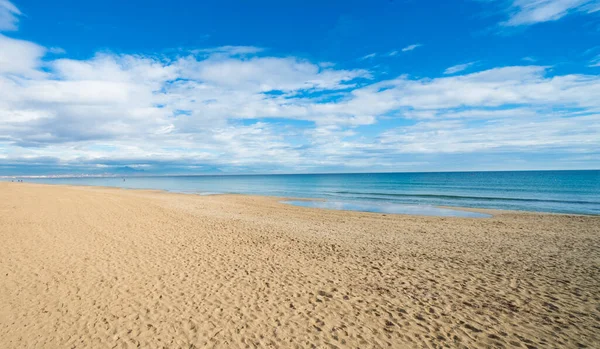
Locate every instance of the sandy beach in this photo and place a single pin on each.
(89, 267)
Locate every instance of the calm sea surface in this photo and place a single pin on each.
(545, 191)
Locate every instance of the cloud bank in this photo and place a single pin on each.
(240, 109)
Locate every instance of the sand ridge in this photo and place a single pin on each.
(85, 267)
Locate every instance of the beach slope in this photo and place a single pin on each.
(84, 267)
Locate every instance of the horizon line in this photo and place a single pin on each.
(49, 176)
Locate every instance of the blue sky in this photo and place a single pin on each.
(298, 86)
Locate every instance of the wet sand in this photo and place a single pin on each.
(85, 267)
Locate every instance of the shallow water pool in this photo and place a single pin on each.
(421, 210)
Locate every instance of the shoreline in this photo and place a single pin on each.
(488, 211)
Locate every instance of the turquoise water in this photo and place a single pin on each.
(544, 191)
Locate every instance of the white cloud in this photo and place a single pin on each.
(512, 129)
(458, 68)
(106, 67)
(20, 57)
(128, 101)
(527, 12)
(230, 50)
(411, 47)
(56, 50)
(578, 134)
(8, 16)
(489, 88)
(504, 109)
(369, 56)
(595, 62)
(495, 88)
(266, 73)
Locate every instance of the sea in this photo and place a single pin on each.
(575, 192)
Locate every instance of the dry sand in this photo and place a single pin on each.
(84, 267)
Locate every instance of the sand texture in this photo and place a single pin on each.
(84, 267)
